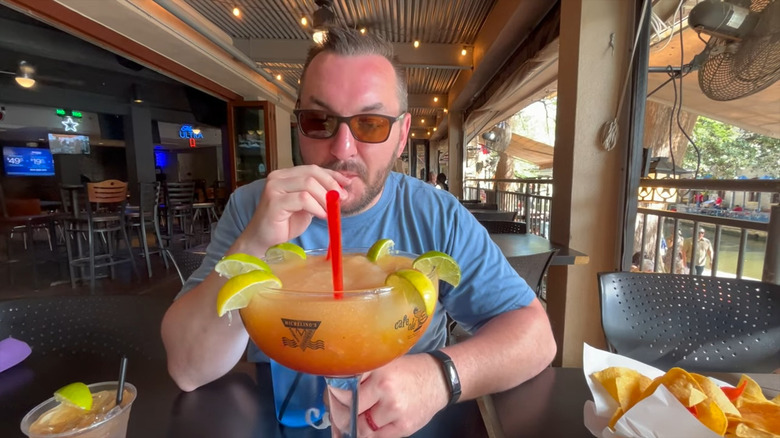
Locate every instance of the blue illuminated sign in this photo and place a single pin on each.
(186, 131)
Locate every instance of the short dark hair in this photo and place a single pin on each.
(345, 41)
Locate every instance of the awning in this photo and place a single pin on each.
(532, 151)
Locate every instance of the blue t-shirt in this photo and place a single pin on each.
(418, 218)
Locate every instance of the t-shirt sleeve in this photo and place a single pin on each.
(489, 285)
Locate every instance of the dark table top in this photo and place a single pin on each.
(517, 245)
(240, 404)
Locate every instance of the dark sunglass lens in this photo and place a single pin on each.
(316, 124)
(369, 128)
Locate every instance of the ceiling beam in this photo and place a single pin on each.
(447, 56)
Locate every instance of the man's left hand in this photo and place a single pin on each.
(399, 398)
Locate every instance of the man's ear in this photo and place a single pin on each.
(406, 123)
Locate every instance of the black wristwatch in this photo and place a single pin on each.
(450, 374)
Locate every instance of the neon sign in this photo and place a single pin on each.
(186, 131)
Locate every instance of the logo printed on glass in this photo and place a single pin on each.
(416, 323)
(302, 332)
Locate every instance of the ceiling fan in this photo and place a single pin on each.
(742, 56)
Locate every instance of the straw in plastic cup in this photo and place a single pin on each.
(87, 424)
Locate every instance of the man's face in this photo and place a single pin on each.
(346, 86)
(701, 235)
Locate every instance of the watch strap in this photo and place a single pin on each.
(450, 374)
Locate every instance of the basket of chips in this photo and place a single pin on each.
(632, 399)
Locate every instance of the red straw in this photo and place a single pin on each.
(334, 230)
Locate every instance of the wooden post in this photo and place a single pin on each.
(771, 272)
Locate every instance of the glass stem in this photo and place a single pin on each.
(351, 384)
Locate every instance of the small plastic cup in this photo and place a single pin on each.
(298, 397)
(112, 427)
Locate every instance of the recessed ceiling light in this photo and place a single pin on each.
(422, 120)
(435, 99)
(463, 52)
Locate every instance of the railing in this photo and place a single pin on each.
(732, 232)
(531, 199)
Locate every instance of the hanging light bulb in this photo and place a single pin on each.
(236, 12)
(304, 21)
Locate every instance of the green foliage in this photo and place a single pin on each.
(727, 151)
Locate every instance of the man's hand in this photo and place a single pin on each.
(291, 198)
(400, 398)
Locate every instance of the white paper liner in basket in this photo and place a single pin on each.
(660, 415)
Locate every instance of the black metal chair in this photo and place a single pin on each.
(98, 326)
(533, 269)
(504, 227)
(697, 323)
(493, 215)
(186, 262)
(179, 197)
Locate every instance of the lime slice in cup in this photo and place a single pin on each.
(239, 263)
(238, 291)
(379, 249)
(416, 286)
(285, 251)
(76, 394)
(446, 267)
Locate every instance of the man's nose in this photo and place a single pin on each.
(343, 143)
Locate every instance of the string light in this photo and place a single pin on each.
(463, 52)
(363, 30)
(416, 44)
(278, 77)
(304, 21)
(422, 120)
(435, 99)
(412, 134)
(236, 12)
(445, 111)
(434, 129)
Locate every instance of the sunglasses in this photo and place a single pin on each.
(366, 128)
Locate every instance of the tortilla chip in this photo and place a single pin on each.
(623, 384)
(681, 384)
(710, 414)
(714, 393)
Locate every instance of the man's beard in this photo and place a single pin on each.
(373, 186)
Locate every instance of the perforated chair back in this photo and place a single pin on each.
(504, 227)
(100, 326)
(186, 262)
(533, 267)
(697, 323)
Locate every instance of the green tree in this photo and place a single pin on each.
(726, 151)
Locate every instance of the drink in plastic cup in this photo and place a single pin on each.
(104, 420)
(298, 397)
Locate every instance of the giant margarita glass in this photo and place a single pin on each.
(291, 312)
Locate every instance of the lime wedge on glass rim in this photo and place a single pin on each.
(416, 286)
(76, 394)
(238, 291)
(285, 251)
(239, 263)
(446, 267)
(379, 249)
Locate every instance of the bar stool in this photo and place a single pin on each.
(146, 215)
(104, 217)
(179, 197)
(209, 214)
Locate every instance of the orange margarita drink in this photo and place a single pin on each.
(303, 326)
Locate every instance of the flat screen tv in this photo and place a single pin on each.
(68, 144)
(19, 161)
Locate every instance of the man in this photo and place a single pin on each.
(346, 82)
(703, 252)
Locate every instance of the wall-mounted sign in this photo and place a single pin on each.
(69, 124)
(186, 131)
(63, 112)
